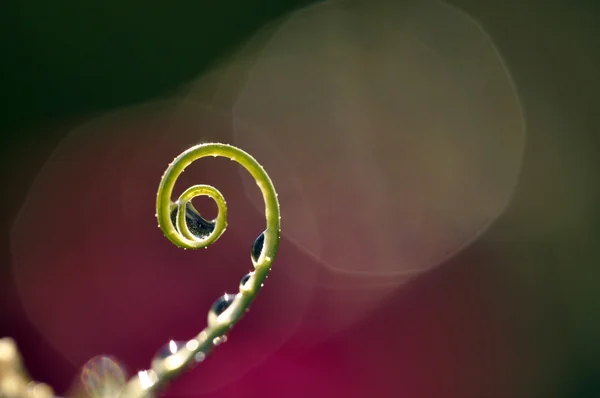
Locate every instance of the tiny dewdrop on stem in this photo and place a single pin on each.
(185, 227)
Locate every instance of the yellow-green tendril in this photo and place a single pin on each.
(175, 219)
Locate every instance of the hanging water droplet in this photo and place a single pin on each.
(222, 304)
(258, 246)
(168, 357)
(197, 224)
(199, 357)
(245, 279)
(171, 348)
(219, 307)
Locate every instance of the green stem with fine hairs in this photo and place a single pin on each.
(148, 382)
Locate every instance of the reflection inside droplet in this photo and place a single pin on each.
(222, 304)
(197, 224)
(258, 246)
(245, 279)
(171, 348)
(219, 307)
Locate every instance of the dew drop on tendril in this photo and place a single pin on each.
(245, 279)
(222, 303)
(171, 348)
(197, 224)
(258, 246)
(219, 340)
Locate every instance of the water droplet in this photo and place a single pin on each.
(199, 357)
(171, 348)
(258, 246)
(245, 279)
(197, 224)
(219, 340)
(219, 307)
(147, 378)
(192, 345)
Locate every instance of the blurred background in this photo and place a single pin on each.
(435, 162)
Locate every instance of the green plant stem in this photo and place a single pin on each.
(147, 383)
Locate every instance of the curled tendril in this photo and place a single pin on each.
(183, 225)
